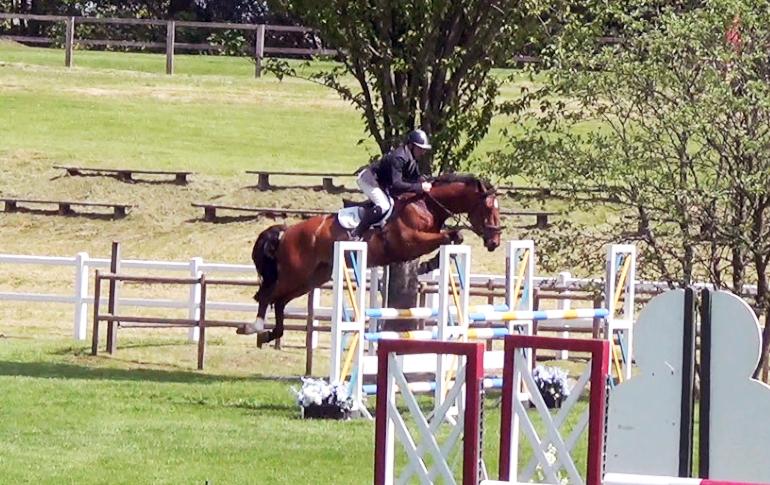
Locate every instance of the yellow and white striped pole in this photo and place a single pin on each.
(459, 296)
(620, 284)
(344, 287)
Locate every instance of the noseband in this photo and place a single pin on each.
(489, 230)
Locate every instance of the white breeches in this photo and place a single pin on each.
(367, 182)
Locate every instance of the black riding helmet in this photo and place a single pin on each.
(418, 138)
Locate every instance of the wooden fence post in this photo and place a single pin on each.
(259, 50)
(170, 40)
(69, 40)
(112, 304)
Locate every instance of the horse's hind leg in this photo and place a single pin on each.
(259, 323)
(283, 295)
(277, 331)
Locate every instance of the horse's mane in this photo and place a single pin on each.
(465, 178)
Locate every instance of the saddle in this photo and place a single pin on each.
(350, 215)
(356, 203)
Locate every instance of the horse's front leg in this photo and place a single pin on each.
(419, 243)
(429, 265)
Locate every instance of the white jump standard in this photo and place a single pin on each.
(455, 319)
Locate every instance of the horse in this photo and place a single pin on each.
(294, 260)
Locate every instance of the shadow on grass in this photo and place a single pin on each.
(55, 212)
(287, 410)
(225, 219)
(16, 337)
(50, 370)
(135, 345)
(120, 178)
(337, 189)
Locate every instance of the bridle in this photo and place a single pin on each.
(488, 230)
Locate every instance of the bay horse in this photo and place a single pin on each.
(294, 260)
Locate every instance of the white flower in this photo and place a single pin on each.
(550, 454)
(552, 380)
(550, 457)
(319, 392)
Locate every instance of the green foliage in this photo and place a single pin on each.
(672, 124)
(425, 63)
(233, 41)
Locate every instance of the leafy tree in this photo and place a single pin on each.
(674, 125)
(420, 63)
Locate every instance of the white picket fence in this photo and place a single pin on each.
(81, 296)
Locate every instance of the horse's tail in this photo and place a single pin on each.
(265, 260)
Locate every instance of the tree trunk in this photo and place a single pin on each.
(765, 348)
(180, 6)
(762, 303)
(402, 293)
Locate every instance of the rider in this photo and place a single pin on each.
(395, 173)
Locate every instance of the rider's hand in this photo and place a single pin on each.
(426, 186)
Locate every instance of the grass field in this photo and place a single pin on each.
(143, 415)
(212, 116)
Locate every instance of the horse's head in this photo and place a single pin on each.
(478, 199)
(485, 218)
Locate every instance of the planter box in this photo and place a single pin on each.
(550, 399)
(324, 411)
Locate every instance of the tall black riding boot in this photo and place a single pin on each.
(371, 215)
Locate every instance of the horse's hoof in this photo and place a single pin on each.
(251, 328)
(262, 338)
(456, 237)
(247, 329)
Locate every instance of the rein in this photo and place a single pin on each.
(447, 213)
(464, 217)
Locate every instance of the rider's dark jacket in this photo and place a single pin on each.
(397, 172)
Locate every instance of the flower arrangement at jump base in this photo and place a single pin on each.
(552, 384)
(550, 456)
(319, 399)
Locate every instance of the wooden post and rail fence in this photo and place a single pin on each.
(314, 317)
(260, 49)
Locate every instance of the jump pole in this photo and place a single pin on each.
(452, 321)
(519, 277)
(455, 293)
(346, 323)
(429, 462)
(620, 283)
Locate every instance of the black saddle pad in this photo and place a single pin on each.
(357, 203)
